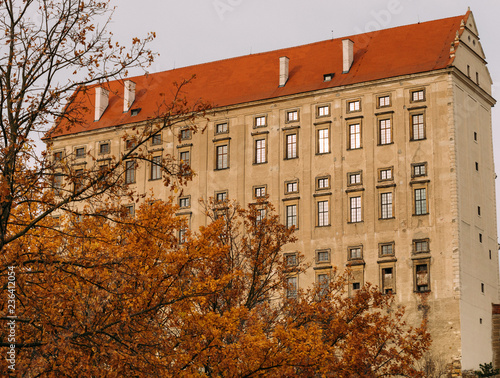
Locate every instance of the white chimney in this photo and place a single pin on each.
(129, 95)
(101, 102)
(283, 70)
(347, 54)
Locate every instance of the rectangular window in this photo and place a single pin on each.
(185, 157)
(385, 174)
(355, 253)
(222, 159)
(130, 143)
(421, 276)
(58, 183)
(322, 256)
(156, 168)
(78, 180)
(354, 178)
(185, 134)
(323, 111)
(387, 280)
(130, 209)
(221, 196)
(386, 205)
(104, 148)
(354, 106)
(384, 101)
(355, 209)
(386, 249)
(291, 216)
(322, 182)
(323, 281)
(156, 139)
(291, 187)
(421, 246)
(184, 202)
(260, 151)
(418, 95)
(261, 214)
(420, 201)
(259, 191)
(130, 172)
(260, 121)
(419, 169)
(221, 128)
(182, 236)
(291, 287)
(291, 259)
(354, 136)
(323, 218)
(417, 127)
(323, 141)
(292, 116)
(80, 152)
(385, 131)
(291, 146)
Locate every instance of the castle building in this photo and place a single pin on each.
(376, 147)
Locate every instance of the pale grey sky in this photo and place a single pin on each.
(197, 31)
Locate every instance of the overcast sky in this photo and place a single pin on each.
(196, 31)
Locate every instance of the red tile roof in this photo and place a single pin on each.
(377, 55)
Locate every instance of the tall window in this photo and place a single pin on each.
(354, 136)
(222, 156)
(58, 183)
(355, 208)
(185, 157)
(417, 127)
(156, 168)
(261, 214)
(130, 172)
(420, 201)
(291, 287)
(385, 132)
(421, 274)
(291, 146)
(323, 141)
(323, 280)
(291, 215)
(386, 204)
(323, 219)
(260, 151)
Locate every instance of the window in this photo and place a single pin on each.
(222, 159)
(221, 128)
(386, 205)
(385, 131)
(80, 152)
(58, 155)
(386, 249)
(355, 253)
(78, 180)
(156, 139)
(323, 218)
(480, 238)
(291, 187)
(261, 214)
(291, 215)
(221, 196)
(418, 95)
(260, 151)
(130, 210)
(355, 209)
(182, 236)
(322, 256)
(385, 174)
(477, 166)
(328, 77)
(104, 148)
(134, 112)
(323, 182)
(479, 210)
(387, 280)
(477, 77)
(419, 169)
(185, 157)
(259, 191)
(185, 134)
(475, 136)
(155, 173)
(353, 106)
(130, 143)
(323, 141)
(354, 178)
(291, 287)
(260, 121)
(421, 276)
(291, 259)
(130, 172)
(291, 146)
(323, 111)
(417, 127)
(482, 287)
(292, 116)
(323, 281)
(384, 101)
(58, 183)
(354, 136)
(420, 201)
(421, 246)
(184, 202)
(355, 286)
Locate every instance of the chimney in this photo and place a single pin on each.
(347, 54)
(129, 95)
(101, 102)
(283, 70)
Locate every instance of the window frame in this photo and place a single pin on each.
(319, 109)
(156, 139)
(259, 151)
(417, 202)
(294, 153)
(155, 168)
(185, 133)
(184, 205)
(130, 172)
(80, 152)
(292, 293)
(358, 210)
(288, 257)
(224, 130)
(388, 130)
(423, 129)
(187, 161)
(256, 121)
(418, 165)
(222, 193)
(290, 112)
(380, 97)
(384, 285)
(108, 148)
(296, 181)
(222, 159)
(416, 242)
(257, 187)
(415, 91)
(328, 255)
(289, 217)
(320, 178)
(416, 285)
(385, 169)
(386, 208)
(358, 136)
(350, 250)
(353, 101)
(323, 212)
(320, 141)
(353, 174)
(381, 249)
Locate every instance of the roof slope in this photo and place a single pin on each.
(377, 55)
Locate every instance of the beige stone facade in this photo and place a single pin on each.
(391, 177)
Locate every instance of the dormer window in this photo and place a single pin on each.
(135, 111)
(328, 77)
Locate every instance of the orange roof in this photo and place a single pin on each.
(377, 55)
